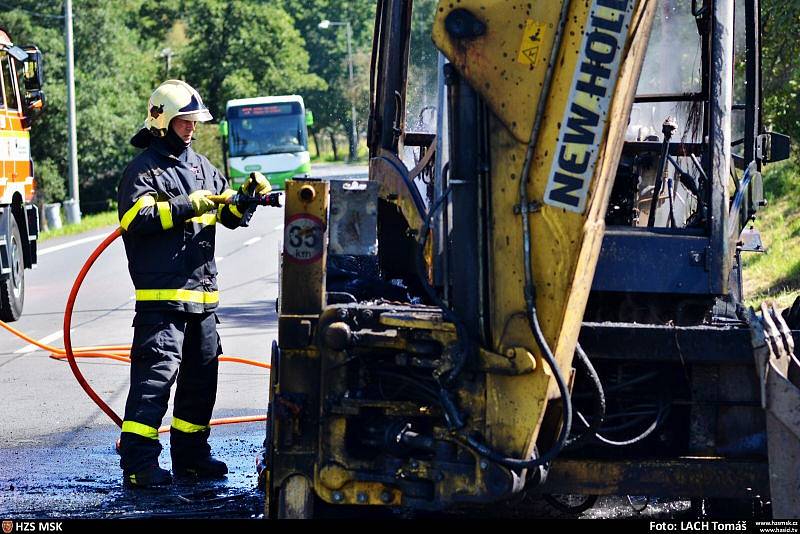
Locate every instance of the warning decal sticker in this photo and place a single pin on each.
(531, 42)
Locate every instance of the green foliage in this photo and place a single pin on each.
(50, 181)
(328, 59)
(112, 95)
(245, 48)
(782, 180)
(780, 20)
(775, 274)
(207, 142)
(113, 79)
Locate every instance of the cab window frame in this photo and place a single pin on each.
(2, 85)
(8, 75)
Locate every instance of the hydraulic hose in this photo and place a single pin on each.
(600, 397)
(595, 427)
(454, 418)
(119, 353)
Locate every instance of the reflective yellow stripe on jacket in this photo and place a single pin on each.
(143, 202)
(186, 426)
(204, 220)
(165, 215)
(181, 295)
(138, 428)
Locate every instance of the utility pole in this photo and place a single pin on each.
(72, 205)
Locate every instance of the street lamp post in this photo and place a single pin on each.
(72, 205)
(325, 24)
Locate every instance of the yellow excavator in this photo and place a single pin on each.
(541, 295)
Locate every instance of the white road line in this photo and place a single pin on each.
(252, 241)
(279, 227)
(219, 258)
(75, 243)
(44, 341)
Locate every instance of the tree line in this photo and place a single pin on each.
(226, 49)
(240, 48)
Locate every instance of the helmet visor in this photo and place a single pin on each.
(202, 115)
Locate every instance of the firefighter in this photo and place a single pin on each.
(169, 223)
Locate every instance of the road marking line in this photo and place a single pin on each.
(219, 258)
(44, 341)
(279, 227)
(75, 243)
(252, 241)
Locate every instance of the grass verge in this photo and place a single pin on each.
(88, 222)
(775, 274)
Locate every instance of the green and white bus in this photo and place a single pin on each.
(268, 134)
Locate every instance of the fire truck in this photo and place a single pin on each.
(21, 101)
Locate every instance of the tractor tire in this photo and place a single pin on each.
(12, 289)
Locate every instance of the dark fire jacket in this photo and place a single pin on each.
(171, 250)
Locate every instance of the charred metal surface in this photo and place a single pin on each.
(703, 418)
(465, 256)
(681, 477)
(687, 272)
(690, 344)
(354, 218)
(382, 435)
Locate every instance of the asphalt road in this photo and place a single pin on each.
(57, 453)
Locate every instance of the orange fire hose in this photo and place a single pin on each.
(119, 353)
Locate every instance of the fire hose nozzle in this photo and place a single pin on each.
(245, 201)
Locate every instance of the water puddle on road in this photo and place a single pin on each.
(80, 477)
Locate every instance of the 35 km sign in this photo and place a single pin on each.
(303, 238)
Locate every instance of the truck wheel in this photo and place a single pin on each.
(296, 499)
(12, 289)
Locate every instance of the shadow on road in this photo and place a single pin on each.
(257, 314)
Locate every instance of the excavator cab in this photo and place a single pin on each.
(541, 294)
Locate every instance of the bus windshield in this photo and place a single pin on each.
(262, 129)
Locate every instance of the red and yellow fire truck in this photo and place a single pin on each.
(21, 101)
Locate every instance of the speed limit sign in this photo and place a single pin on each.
(303, 238)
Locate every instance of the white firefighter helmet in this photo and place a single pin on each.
(171, 99)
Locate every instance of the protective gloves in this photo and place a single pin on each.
(200, 201)
(256, 184)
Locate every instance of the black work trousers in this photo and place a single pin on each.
(168, 346)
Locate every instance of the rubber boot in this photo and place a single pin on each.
(208, 468)
(149, 477)
(191, 456)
